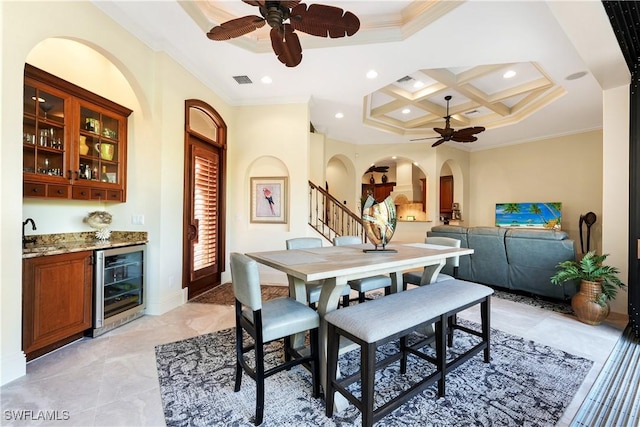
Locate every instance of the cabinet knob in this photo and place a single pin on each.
(60, 191)
(84, 193)
(35, 189)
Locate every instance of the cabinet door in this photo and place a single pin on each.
(45, 136)
(56, 299)
(446, 194)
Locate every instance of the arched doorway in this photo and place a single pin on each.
(204, 177)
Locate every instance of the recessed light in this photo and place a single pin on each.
(339, 115)
(576, 76)
(266, 80)
(38, 99)
(372, 74)
(394, 157)
(418, 84)
(406, 111)
(509, 74)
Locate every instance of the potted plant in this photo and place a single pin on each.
(599, 284)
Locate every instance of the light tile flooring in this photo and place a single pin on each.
(112, 380)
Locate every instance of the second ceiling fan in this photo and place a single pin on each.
(317, 19)
(450, 134)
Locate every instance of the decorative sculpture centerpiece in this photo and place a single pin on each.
(100, 221)
(379, 220)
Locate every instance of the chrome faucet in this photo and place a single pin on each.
(26, 240)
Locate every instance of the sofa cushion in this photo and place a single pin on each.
(532, 258)
(489, 259)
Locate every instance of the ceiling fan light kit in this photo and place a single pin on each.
(450, 134)
(316, 19)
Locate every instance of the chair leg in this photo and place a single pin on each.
(239, 356)
(287, 349)
(387, 290)
(345, 301)
(361, 297)
(259, 350)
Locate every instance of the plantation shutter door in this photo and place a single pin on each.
(205, 212)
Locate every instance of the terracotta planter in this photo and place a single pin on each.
(584, 305)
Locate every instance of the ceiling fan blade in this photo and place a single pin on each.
(257, 3)
(322, 21)
(464, 138)
(469, 131)
(286, 45)
(438, 142)
(236, 27)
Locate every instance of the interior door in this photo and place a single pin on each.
(203, 237)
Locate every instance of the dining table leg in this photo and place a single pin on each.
(329, 299)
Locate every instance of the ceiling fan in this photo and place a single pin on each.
(449, 134)
(318, 20)
(381, 169)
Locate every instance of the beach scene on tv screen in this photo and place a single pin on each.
(532, 215)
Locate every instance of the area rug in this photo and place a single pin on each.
(525, 384)
(223, 294)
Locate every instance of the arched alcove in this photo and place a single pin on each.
(451, 191)
(340, 176)
(271, 170)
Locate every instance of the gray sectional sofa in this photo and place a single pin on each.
(513, 258)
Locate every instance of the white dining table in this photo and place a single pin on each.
(336, 265)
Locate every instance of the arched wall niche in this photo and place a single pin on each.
(453, 168)
(265, 167)
(91, 67)
(340, 176)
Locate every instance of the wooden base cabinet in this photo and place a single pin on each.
(56, 301)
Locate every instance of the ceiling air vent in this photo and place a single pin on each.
(242, 80)
(404, 79)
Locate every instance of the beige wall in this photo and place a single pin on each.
(566, 169)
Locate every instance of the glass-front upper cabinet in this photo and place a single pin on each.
(44, 131)
(99, 146)
(74, 141)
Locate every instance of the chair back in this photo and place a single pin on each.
(346, 240)
(446, 241)
(304, 243)
(245, 280)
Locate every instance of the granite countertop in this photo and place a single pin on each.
(55, 244)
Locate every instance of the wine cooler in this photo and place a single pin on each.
(119, 287)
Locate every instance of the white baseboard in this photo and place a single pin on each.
(168, 303)
(12, 367)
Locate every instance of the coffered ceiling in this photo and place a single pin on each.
(421, 51)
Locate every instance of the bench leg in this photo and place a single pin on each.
(485, 310)
(441, 353)
(333, 346)
(403, 350)
(368, 370)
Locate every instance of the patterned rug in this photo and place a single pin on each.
(223, 294)
(525, 384)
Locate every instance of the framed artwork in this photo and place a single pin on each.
(269, 200)
(533, 215)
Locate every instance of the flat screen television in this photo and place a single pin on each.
(531, 215)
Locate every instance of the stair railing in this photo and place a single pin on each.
(331, 218)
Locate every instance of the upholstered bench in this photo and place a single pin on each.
(395, 317)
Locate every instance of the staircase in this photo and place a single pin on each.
(331, 218)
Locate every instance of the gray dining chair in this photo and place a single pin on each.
(314, 288)
(366, 284)
(414, 277)
(267, 321)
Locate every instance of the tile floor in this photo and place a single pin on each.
(112, 380)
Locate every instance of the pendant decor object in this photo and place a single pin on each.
(99, 221)
(379, 220)
(584, 303)
(371, 180)
(384, 178)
